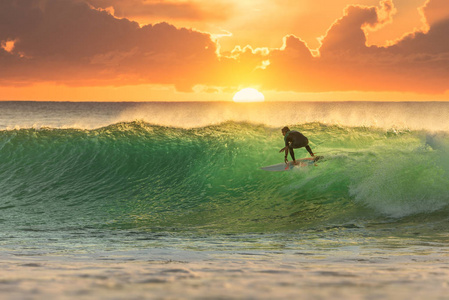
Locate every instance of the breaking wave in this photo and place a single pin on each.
(142, 176)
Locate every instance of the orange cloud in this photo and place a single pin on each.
(69, 42)
(74, 43)
(435, 12)
(186, 10)
(419, 62)
(348, 33)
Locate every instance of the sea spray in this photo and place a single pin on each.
(428, 116)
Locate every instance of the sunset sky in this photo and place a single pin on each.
(182, 50)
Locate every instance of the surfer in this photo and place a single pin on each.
(294, 139)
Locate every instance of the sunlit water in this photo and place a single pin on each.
(167, 200)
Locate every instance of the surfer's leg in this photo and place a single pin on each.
(309, 150)
(292, 153)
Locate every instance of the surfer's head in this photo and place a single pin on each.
(285, 130)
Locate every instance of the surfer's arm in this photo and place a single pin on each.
(286, 154)
(292, 154)
(289, 147)
(285, 150)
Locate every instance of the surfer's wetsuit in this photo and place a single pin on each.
(294, 139)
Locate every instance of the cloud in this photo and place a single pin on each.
(348, 34)
(70, 42)
(77, 43)
(434, 41)
(435, 11)
(185, 10)
(419, 62)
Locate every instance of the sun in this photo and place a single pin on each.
(248, 95)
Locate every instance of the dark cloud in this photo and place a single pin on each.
(68, 41)
(185, 10)
(419, 62)
(436, 11)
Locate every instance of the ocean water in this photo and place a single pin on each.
(167, 201)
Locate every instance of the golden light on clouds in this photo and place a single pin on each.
(363, 46)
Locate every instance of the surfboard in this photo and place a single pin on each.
(302, 162)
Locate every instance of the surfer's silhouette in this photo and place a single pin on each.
(293, 140)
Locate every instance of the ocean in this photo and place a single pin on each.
(167, 201)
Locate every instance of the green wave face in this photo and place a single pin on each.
(139, 176)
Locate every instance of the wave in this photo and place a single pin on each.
(138, 175)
